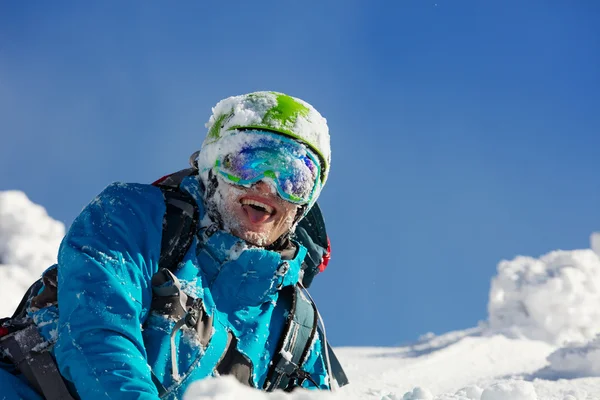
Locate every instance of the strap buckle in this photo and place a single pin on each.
(284, 364)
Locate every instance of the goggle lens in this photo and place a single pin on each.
(261, 154)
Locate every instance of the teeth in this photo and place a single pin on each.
(267, 208)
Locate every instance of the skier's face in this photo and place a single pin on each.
(256, 214)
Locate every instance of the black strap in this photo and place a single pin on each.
(179, 224)
(36, 364)
(295, 342)
(234, 363)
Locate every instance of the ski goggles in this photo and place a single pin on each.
(255, 155)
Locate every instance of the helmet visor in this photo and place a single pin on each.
(257, 155)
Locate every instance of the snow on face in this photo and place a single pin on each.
(226, 202)
(301, 182)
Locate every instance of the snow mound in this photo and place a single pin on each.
(510, 390)
(505, 390)
(554, 298)
(418, 393)
(576, 360)
(29, 241)
(228, 388)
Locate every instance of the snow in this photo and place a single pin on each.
(250, 111)
(554, 298)
(595, 242)
(514, 390)
(29, 241)
(576, 360)
(519, 353)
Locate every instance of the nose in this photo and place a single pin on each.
(264, 187)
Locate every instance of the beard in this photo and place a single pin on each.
(223, 209)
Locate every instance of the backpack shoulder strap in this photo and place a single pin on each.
(295, 342)
(179, 224)
(180, 220)
(301, 327)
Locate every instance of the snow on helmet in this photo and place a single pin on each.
(271, 111)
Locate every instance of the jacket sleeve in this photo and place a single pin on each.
(106, 261)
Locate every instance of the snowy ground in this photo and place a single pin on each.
(539, 342)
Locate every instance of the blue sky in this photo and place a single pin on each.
(462, 132)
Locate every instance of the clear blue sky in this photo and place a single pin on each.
(463, 132)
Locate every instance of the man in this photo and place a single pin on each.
(134, 323)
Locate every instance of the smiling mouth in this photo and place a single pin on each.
(257, 211)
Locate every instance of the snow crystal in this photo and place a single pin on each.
(576, 360)
(286, 355)
(554, 298)
(237, 250)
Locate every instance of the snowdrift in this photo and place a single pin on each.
(539, 342)
(554, 298)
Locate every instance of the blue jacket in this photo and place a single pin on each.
(108, 340)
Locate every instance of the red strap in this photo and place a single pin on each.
(3, 331)
(326, 257)
(158, 181)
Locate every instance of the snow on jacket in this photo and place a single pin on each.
(108, 339)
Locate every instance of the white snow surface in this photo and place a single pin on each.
(518, 354)
(576, 360)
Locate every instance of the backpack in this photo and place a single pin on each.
(20, 338)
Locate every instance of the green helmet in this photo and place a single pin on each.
(271, 111)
